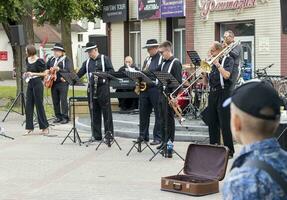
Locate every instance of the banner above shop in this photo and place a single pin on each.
(115, 11)
(207, 6)
(172, 8)
(149, 9)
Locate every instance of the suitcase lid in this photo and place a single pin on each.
(207, 161)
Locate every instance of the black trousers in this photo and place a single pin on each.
(167, 123)
(34, 97)
(59, 97)
(219, 118)
(100, 106)
(149, 100)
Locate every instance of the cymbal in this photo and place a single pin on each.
(187, 66)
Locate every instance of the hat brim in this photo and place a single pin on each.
(150, 45)
(58, 49)
(91, 48)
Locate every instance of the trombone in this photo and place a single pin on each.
(205, 67)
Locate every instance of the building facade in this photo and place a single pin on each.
(256, 23)
(128, 36)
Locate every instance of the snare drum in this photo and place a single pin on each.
(183, 99)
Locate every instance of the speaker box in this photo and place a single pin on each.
(284, 15)
(17, 35)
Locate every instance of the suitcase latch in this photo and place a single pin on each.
(177, 186)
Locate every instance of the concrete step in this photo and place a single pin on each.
(127, 125)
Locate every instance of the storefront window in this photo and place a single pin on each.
(135, 42)
(238, 28)
(179, 38)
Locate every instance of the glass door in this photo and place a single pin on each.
(134, 47)
(247, 43)
(179, 44)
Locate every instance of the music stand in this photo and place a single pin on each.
(73, 80)
(139, 77)
(108, 138)
(167, 81)
(2, 133)
(194, 57)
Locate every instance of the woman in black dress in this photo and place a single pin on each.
(34, 95)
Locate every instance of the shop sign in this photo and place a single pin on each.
(172, 8)
(207, 6)
(115, 12)
(149, 9)
(3, 55)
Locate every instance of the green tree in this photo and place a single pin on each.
(13, 12)
(63, 12)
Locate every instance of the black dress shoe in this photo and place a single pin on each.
(57, 120)
(160, 146)
(64, 121)
(155, 142)
(141, 139)
(98, 138)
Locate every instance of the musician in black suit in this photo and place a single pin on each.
(149, 98)
(173, 66)
(128, 103)
(61, 63)
(236, 53)
(220, 83)
(100, 103)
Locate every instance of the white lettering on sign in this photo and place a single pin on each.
(207, 6)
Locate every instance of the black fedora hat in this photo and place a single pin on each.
(90, 46)
(151, 43)
(58, 47)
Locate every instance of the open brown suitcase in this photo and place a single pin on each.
(204, 167)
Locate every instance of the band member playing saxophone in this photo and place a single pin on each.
(34, 95)
(220, 83)
(149, 98)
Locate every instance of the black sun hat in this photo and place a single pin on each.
(58, 47)
(90, 46)
(255, 95)
(151, 43)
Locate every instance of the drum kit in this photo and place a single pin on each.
(194, 100)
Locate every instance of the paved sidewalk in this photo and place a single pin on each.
(39, 168)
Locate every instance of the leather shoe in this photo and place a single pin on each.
(155, 142)
(57, 120)
(141, 139)
(64, 121)
(160, 146)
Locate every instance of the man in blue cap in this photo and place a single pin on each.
(260, 170)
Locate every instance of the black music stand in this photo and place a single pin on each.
(139, 77)
(73, 80)
(167, 81)
(108, 138)
(4, 135)
(194, 57)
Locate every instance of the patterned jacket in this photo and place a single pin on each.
(245, 182)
